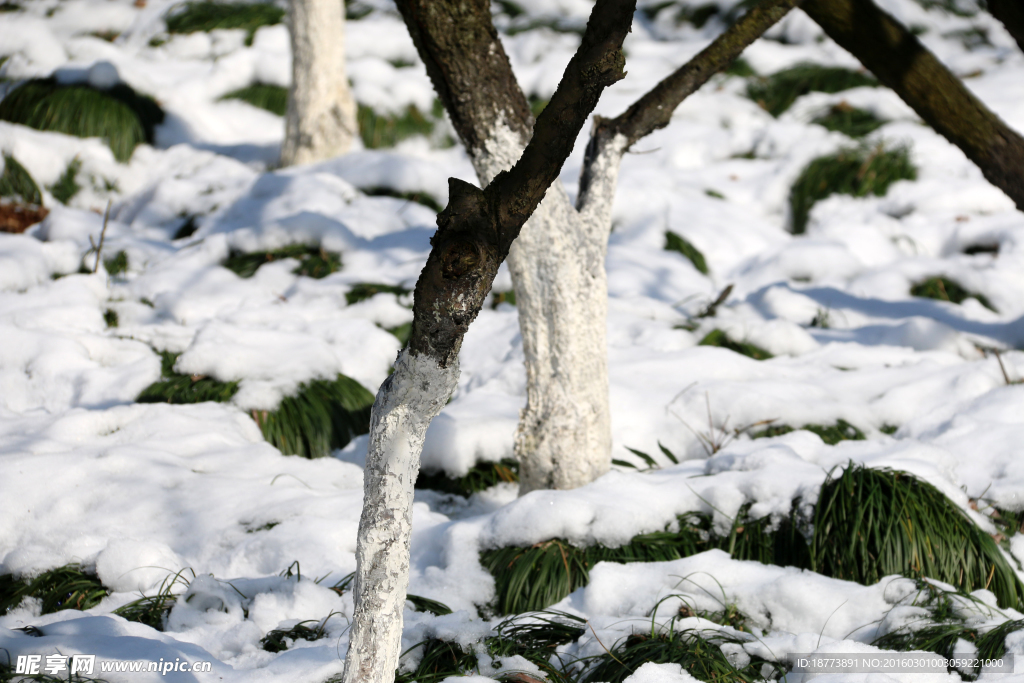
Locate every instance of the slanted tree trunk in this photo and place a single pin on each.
(899, 61)
(474, 234)
(557, 264)
(1011, 13)
(321, 118)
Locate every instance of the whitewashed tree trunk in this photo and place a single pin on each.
(321, 119)
(557, 265)
(405, 405)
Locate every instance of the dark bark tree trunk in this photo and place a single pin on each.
(1011, 13)
(474, 234)
(900, 62)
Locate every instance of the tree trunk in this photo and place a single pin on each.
(564, 435)
(1011, 13)
(900, 62)
(321, 118)
(474, 235)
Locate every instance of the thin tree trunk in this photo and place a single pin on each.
(321, 118)
(474, 235)
(1011, 13)
(900, 62)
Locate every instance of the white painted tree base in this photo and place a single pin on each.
(321, 119)
(406, 403)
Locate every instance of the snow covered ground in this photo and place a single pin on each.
(139, 492)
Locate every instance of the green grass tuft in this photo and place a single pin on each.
(850, 121)
(676, 242)
(533, 577)
(119, 115)
(314, 261)
(830, 434)
(67, 186)
(273, 98)
(855, 171)
(364, 290)
(383, 130)
(944, 289)
(117, 264)
(173, 387)
(16, 183)
(323, 416)
(721, 339)
(867, 524)
(110, 317)
(421, 604)
(186, 229)
(67, 587)
(871, 523)
(699, 654)
(418, 197)
(776, 93)
(152, 610)
(208, 16)
(279, 640)
(439, 660)
(481, 476)
(506, 297)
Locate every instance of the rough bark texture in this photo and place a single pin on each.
(1011, 13)
(321, 118)
(474, 234)
(900, 62)
(406, 403)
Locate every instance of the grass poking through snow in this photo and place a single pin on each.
(67, 587)
(945, 289)
(867, 524)
(830, 434)
(273, 98)
(387, 130)
(17, 184)
(871, 523)
(857, 171)
(678, 243)
(481, 476)
(314, 261)
(721, 339)
(851, 121)
(776, 93)
(67, 185)
(322, 416)
(174, 387)
(119, 115)
(207, 16)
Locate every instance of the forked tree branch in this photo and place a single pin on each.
(654, 109)
(476, 229)
(899, 61)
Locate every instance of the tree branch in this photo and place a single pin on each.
(1011, 13)
(476, 229)
(654, 110)
(900, 62)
